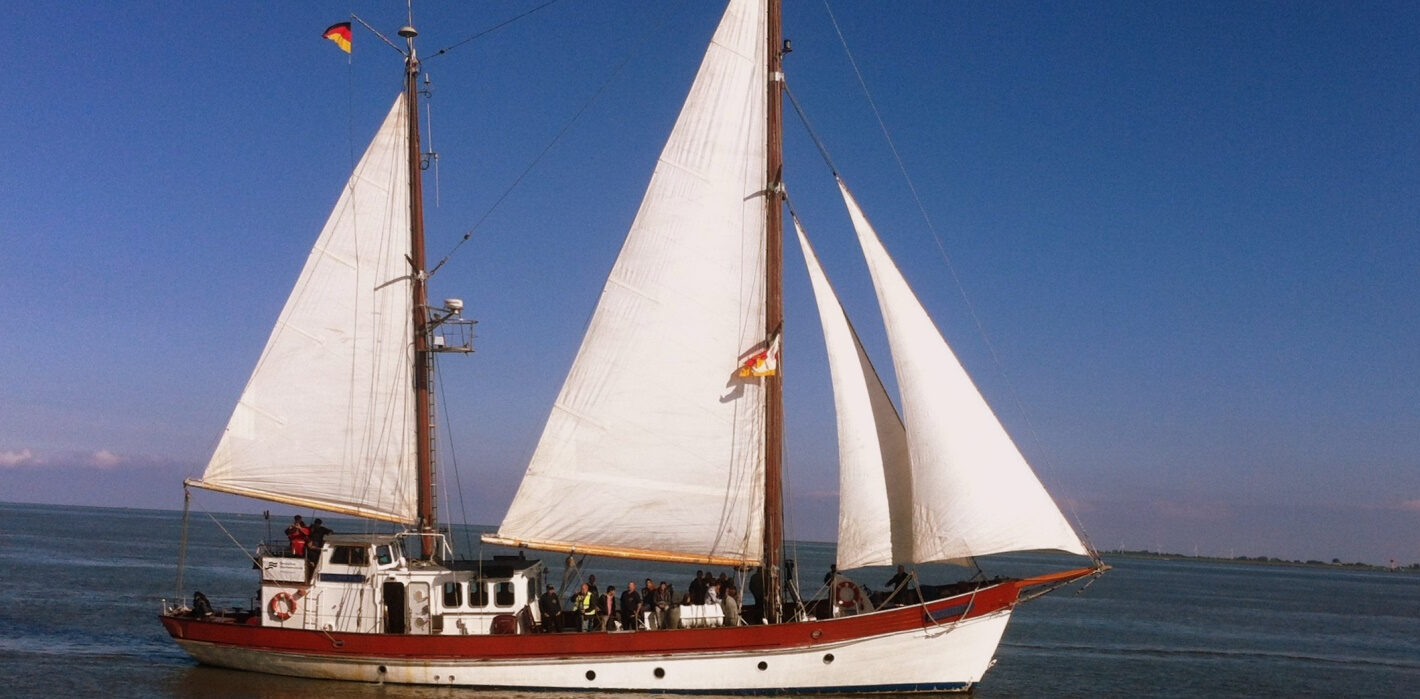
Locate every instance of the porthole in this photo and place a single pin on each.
(591, 674)
(382, 669)
(827, 658)
(659, 673)
(763, 665)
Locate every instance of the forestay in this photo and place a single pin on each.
(654, 448)
(326, 419)
(974, 494)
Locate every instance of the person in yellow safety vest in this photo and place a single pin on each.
(585, 604)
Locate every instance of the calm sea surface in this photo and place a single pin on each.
(80, 589)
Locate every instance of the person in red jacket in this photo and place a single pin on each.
(298, 534)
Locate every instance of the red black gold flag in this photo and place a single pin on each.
(340, 34)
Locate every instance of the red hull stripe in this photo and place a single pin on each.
(354, 646)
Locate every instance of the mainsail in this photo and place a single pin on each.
(327, 418)
(654, 448)
(973, 492)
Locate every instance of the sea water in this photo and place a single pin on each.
(81, 588)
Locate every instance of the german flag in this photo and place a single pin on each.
(340, 34)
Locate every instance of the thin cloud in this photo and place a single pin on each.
(104, 459)
(16, 459)
(1411, 505)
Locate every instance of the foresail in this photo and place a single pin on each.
(327, 418)
(654, 447)
(974, 493)
(874, 472)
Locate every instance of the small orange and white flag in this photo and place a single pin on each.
(340, 34)
(764, 362)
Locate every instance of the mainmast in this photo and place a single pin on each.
(773, 323)
(423, 419)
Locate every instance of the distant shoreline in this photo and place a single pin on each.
(1263, 561)
(1117, 553)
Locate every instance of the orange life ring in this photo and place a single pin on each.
(282, 606)
(853, 597)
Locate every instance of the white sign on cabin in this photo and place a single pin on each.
(288, 570)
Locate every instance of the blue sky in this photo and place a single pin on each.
(1188, 231)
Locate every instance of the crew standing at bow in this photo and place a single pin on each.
(298, 534)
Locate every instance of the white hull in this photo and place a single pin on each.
(952, 656)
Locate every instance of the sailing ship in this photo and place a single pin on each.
(672, 409)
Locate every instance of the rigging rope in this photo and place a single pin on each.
(233, 538)
(548, 148)
(813, 135)
(941, 248)
(454, 461)
(491, 29)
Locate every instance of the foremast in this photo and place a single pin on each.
(774, 320)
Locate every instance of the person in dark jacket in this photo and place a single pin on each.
(649, 596)
(902, 580)
(697, 588)
(630, 607)
(317, 540)
(551, 607)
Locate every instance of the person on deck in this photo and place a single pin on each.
(901, 581)
(697, 588)
(649, 596)
(731, 606)
(584, 605)
(630, 607)
(831, 574)
(606, 609)
(756, 585)
(298, 534)
(317, 535)
(551, 607)
(665, 597)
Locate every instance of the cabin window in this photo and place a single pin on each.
(503, 595)
(453, 595)
(383, 555)
(350, 556)
(477, 595)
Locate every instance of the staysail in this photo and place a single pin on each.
(974, 493)
(874, 473)
(327, 418)
(654, 448)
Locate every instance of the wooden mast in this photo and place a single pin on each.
(773, 323)
(423, 418)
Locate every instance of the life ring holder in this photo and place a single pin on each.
(282, 606)
(853, 598)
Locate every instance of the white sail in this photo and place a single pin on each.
(327, 418)
(654, 447)
(874, 472)
(974, 493)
